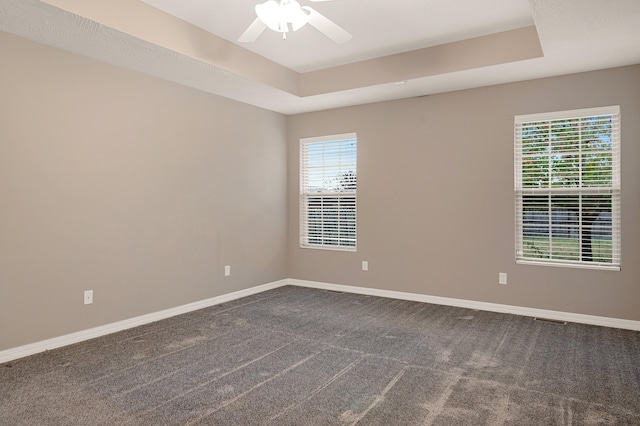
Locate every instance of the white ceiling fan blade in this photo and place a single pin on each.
(327, 26)
(253, 32)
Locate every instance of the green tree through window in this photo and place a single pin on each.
(567, 187)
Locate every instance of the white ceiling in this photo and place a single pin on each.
(379, 27)
(575, 36)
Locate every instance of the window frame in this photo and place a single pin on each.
(336, 195)
(581, 192)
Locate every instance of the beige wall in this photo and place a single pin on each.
(436, 203)
(137, 188)
(142, 190)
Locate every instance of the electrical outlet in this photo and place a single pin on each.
(365, 265)
(502, 278)
(227, 270)
(88, 297)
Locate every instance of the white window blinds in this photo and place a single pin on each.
(567, 187)
(328, 192)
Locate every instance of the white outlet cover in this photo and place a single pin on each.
(227, 270)
(502, 278)
(88, 297)
(365, 265)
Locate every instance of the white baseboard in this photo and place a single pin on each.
(481, 306)
(68, 339)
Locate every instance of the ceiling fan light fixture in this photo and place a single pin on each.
(278, 15)
(287, 15)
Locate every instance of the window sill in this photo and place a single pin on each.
(331, 248)
(597, 266)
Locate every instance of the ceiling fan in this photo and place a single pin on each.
(287, 15)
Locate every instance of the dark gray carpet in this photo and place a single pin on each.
(296, 356)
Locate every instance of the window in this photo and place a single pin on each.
(567, 187)
(328, 192)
